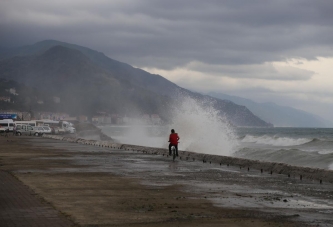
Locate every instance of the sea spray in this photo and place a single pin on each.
(290, 145)
(275, 140)
(142, 134)
(202, 129)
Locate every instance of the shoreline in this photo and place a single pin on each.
(321, 175)
(104, 186)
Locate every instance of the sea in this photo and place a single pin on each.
(309, 147)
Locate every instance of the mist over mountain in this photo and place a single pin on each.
(88, 81)
(120, 71)
(280, 116)
(82, 86)
(25, 98)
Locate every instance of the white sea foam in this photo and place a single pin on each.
(325, 151)
(275, 141)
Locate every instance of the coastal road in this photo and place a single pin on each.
(99, 186)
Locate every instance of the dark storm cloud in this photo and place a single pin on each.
(169, 34)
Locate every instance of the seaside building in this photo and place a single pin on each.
(26, 116)
(129, 120)
(94, 119)
(5, 99)
(82, 118)
(12, 91)
(116, 119)
(52, 116)
(100, 120)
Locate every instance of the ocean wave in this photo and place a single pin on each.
(275, 140)
(314, 141)
(322, 146)
(293, 156)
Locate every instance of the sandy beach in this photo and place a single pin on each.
(100, 186)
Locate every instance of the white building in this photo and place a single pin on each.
(5, 99)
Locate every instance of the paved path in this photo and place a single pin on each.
(19, 206)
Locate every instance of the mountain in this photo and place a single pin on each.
(25, 98)
(280, 116)
(83, 86)
(87, 81)
(122, 71)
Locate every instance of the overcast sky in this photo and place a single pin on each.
(269, 51)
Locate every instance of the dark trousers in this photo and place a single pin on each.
(176, 146)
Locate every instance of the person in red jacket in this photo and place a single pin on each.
(173, 141)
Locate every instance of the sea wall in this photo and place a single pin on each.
(321, 175)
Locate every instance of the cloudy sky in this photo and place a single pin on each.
(269, 51)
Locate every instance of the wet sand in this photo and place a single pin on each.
(97, 186)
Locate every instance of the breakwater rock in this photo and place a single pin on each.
(89, 131)
(321, 175)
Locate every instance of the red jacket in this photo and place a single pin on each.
(173, 138)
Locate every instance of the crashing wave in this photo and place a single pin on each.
(275, 141)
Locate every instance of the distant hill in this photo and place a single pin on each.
(81, 86)
(280, 116)
(25, 98)
(121, 71)
(87, 81)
